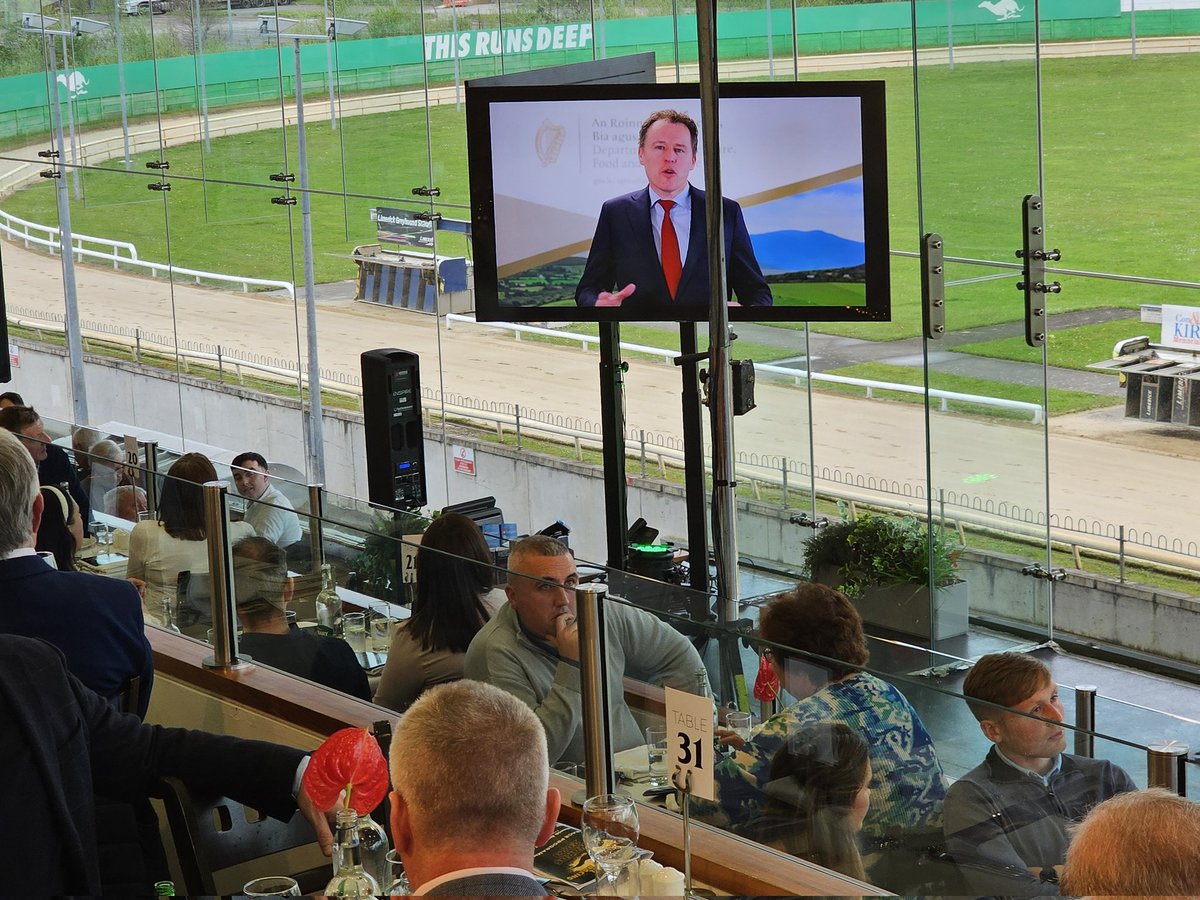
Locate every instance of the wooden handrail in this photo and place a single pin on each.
(724, 861)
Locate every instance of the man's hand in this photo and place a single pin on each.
(566, 636)
(610, 298)
(319, 821)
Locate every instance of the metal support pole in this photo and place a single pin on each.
(593, 688)
(719, 380)
(220, 574)
(1165, 766)
(333, 117)
(66, 237)
(612, 418)
(1085, 720)
(316, 530)
(150, 454)
(693, 475)
(316, 433)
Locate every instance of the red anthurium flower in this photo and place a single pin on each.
(766, 685)
(350, 760)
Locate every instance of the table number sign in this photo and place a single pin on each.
(690, 741)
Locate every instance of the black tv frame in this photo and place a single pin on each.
(877, 306)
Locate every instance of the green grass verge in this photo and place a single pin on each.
(1060, 402)
(1072, 348)
(978, 160)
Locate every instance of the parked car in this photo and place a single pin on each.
(138, 7)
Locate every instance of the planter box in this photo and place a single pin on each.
(905, 607)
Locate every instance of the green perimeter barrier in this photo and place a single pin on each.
(381, 64)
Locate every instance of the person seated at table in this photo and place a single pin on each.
(456, 596)
(1136, 844)
(63, 744)
(83, 439)
(530, 648)
(107, 471)
(270, 513)
(53, 464)
(817, 795)
(1007, 819)
(60, 533)
(95, 621)
(126, 502)
(263, 590)
(178, 541)
(472, 796)
(818, 651)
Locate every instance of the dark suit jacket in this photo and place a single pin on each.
(58, 469)
(623, 253)
(60, 743)
(95, 621)
(492, 884)
(325, 660)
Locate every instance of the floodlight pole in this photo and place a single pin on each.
(724, 536)
(66, 242)
(332, 32)
(454, 54)
(198, 48)
(75, 154)
(121, 82)
(316, 434)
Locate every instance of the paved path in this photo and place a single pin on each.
(1101, 466)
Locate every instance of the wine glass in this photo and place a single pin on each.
(610, 833)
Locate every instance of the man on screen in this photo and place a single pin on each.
(651, 246)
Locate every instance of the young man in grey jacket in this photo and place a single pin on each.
(1006, 820)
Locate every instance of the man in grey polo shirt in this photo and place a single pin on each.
(530, 648)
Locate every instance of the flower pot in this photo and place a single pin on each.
(905, 608)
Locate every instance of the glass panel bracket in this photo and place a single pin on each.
(1034, 256)
(933, 286)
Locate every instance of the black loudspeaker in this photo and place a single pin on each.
(391, 381)
(5, 366)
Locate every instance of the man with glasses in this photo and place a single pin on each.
(530, 648)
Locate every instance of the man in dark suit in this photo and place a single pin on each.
(96, 622)
(264, 588)
(651, 246)
(471, 837)
(61, 742)
(54, 467)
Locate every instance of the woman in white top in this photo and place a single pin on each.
(177, 542)
(456, 595)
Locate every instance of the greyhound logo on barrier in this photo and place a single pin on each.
(1003, 10)
(76, 84)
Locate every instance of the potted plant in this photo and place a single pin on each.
(883, 564)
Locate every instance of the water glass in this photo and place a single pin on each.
(399, 885)
(355, 629)
(272, 886)
(380, 637)
(103, 534)
(656, 753)
(740, 723)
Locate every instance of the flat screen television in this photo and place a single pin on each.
(561, 213)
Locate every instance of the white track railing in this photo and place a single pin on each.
(586, 340)
(19, 229)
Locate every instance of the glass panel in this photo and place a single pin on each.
(988, 460)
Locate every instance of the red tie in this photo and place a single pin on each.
(672, 265)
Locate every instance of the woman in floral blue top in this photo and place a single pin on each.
(906, 784)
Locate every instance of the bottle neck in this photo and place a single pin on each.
(349, 849)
